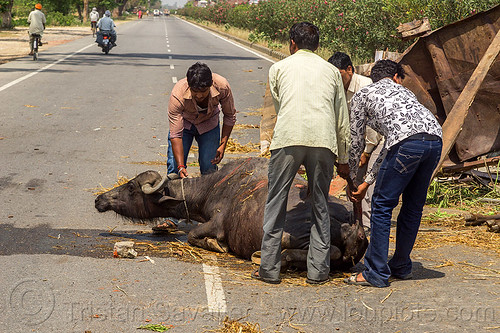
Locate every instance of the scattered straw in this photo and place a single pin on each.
(151, 162)
(245, 126)
(386, 297)
(100, 190)
(452, 230)
(234, 146)
(235, 326)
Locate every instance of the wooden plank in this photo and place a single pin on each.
(465, 166)
(455, 119)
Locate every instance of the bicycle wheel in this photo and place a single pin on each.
(35, 49)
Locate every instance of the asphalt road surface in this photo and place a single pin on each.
(76, 119)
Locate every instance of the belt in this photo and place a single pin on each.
(424, 136)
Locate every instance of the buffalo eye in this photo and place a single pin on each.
(130, 187)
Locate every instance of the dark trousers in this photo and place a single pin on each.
(283, 167)
(406, 170)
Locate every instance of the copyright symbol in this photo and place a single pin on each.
(32, 301)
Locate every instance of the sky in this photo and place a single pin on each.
(180, 3)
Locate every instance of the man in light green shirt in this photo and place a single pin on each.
(312, 128)
(37, 21)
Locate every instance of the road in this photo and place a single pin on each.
(76, 119)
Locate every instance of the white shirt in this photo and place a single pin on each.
(94, 16)
(373, 139)
(37, 20)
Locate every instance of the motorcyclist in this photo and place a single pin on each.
(37, 21)
(94, 17)
(106, 24)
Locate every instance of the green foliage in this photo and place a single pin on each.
(59, 19)
(453, 193)
(358, 27)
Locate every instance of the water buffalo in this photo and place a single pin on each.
(230, 205)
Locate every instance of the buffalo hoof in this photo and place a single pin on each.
(214, 245)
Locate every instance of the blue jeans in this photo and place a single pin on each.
(208, 143)
(407, 170)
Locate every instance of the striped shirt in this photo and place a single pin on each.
(310, 103)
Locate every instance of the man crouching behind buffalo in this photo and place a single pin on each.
(193, 113)
(312, 128)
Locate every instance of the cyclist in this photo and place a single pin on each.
(94, 16)
(37, 21)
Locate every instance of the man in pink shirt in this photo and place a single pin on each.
(193, 113)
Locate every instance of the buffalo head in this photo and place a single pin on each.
(142, 198)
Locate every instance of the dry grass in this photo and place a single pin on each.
(234, 146)
(101, 189)
(451, 229)
(235, 326)
(244, 126)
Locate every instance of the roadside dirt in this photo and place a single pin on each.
(14, 43)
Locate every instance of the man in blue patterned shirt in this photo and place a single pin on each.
(411, 152)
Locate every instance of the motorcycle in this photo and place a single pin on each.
(104, 41)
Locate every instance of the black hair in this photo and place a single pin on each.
(386, 68)
(341, 61)
(305, 35)
(199, 76)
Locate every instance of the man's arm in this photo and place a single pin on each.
(226, 131)
(176, 122)
(342, 130)
(357, 128)
(227, 105)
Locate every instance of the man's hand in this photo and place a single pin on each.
(219, 155)
(358, 195)
(365, 157)
(183, 172)
(343, 170)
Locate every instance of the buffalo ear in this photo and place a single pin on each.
(168, 201)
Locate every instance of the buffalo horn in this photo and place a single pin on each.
(148, 189)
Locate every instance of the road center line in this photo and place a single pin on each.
(213, 285)
(27, 76)
(174, 79)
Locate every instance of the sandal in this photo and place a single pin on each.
(353, 279)
(255, 275)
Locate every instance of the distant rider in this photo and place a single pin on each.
(106, 24)
(37, 21)
(94, 17)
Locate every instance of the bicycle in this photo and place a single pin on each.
(93, 25)
(36, 43)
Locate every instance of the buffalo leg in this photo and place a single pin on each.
(204, 235)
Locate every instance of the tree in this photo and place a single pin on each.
(85, 10)
(5, 13)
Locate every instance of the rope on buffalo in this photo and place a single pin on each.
(184, 199)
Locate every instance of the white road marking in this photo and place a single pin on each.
(171, 66)
(27, 76)
(174, 79)
(213, 284)
(231, 42)
(169, 50)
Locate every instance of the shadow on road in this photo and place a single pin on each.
(94, 243)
